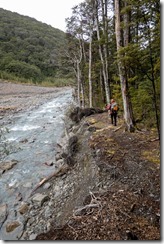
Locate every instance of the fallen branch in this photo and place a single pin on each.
(57, 173)
(127, 215)
(118, 128)
(156, 139)
(105, 128)
(86, 207)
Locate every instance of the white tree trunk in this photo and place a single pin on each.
(104, 4)
(82, 102)
(78, 84)
(122, 73)
(90, 70)
(105, 72)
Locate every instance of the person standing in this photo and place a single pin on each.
(113, 110)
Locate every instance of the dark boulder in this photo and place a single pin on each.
(78, 113)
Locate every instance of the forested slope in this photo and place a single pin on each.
(30, 49)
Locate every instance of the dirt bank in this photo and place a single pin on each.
(125, 203)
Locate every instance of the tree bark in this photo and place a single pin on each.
(104, 71)
(90, 69)
(122, 71)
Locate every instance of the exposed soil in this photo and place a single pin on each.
(126, 204)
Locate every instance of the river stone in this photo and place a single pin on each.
(32, 237)
(23, 208)
(11, 226)
(59, 162)
(46, 186)
(19, 196)
(30, 221)
(71, 134)
(40, 198)
(12, 230)
(47, 212)
(4, 166)
(58, 156)
(1, 171)
(27, 185)
(3, 213)
(48, 226)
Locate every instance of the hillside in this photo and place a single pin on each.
(30, 49)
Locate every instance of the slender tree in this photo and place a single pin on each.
(122, 69)
(102, 57)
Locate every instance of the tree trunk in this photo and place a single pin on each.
(153, 85)
(78, 84)
(105, 76)
(122, 72)
(90, 69)
(82, 102)
(104, 4)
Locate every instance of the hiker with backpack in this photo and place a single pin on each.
(113, 110)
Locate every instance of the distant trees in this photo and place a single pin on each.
(120, 56)
(22, 69)
(29, 48)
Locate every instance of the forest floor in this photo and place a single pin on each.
(125, 203)
(128, 207)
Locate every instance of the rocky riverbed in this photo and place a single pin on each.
(35, 122)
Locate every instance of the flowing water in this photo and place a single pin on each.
(33, 137)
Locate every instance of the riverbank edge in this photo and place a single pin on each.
(29, 219)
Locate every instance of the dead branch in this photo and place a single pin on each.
(57, 173)
(140, 131)
(155, 139)
(93, 197)
(105, 128)
(86, 207)
(127, 215)
(117, 128)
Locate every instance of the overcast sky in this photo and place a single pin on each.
(51, 12)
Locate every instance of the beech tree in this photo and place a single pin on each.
(76, 51)
(103, 55)
(123, 40)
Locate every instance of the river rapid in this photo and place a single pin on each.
(31, 138)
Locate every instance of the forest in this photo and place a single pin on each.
(30, 50)
(114, 46)
(113, 51)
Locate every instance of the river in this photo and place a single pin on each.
(32, 137)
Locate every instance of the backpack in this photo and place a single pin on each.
(114, 107)
(108, 107)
